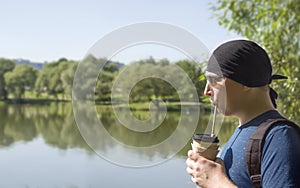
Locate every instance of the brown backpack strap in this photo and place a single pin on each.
(255, 147)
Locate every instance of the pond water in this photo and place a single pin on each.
(41, 146)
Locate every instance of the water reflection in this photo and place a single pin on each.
(40, 146)
(56, 125)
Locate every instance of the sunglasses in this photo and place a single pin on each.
(213, 80)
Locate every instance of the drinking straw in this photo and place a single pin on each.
(214, 121)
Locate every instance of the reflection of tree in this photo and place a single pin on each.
(91, 130)
(55, 124)
(140, 139)
(158, 135)
(17, 125)
(5, 140)
(24, 130)
(58, 128)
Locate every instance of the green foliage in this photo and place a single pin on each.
(55, 85)
(67, 77)
(109, 67)
(94, 77)
(98, 77)
(56, 78)
(6, 65)
(148, 79)
(150, 87)
(275, 25)
(20, 79)
(195, 73)
(105, 83)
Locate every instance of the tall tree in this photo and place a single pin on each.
(67, 77)
(157, 75)
(194, 71)
(20, 79)
(6, 65)
(275, 25)
(49, 80)
(56, 78)
(105, 82)
(41, 82)
(86, 77)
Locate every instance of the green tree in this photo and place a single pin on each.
(6, 65)
(56, 78)
(20, 79)
(67, 77)
(194, 71)
(104, 85)
(49, 80)
(275, 25)
(86, 74)
(94, 78)
(159, 74)
(55, 86)
(149, 87)
(110, 66)
(41, 82)
(105, 80)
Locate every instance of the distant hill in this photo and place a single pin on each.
(118, 64)
(39, 66)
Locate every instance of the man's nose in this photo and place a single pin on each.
(207, 90)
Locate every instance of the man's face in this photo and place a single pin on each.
(224, 93)
(215, 88)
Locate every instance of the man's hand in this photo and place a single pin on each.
(207, 173)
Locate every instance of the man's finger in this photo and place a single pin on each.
(189, 163)
(193, 155)
(189, 171)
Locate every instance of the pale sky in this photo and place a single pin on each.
(46, 30)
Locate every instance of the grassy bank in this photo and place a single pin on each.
(143, 106)
(31, 101)
(171, 106)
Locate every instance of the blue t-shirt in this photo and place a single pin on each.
(280, 165)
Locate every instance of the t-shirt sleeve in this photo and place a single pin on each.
(280, 165)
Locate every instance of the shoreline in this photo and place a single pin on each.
(138, 106)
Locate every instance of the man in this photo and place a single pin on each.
(239, 72)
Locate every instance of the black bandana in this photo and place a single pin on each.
(244, 62)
